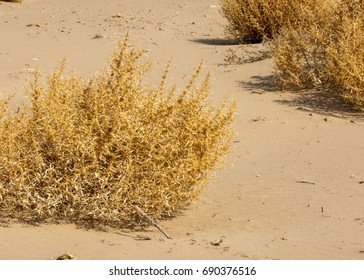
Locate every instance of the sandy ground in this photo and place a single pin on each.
(293, 187)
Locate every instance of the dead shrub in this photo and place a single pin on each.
(325, 53)
(254, 20)
(89, 150)
(345, 65)
(300, 54)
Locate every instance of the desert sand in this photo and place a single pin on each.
(292, 187)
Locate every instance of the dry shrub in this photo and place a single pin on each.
(327, 53)
(16, 1)
(345, 65)
(91, 150)
(300, 53)
(255, 20)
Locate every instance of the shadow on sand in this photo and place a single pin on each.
(325, 102)
(265, 83)
(319, 101)
(216, 41)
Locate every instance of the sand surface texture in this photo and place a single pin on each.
(293, 187)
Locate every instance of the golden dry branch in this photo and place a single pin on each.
(92, 150)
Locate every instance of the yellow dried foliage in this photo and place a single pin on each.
(91, 150)
(255, 20)
(328, 52)
(299, 53)
(345, 65)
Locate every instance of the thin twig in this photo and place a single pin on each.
(142, 213)
(306, 182)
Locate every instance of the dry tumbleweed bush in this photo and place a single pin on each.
(255, 20)
(299, 53)
(345, 66)
(92, 150)
(327, 53)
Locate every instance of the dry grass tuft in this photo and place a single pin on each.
(91, 150)
(328, 52)
(254, 20)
